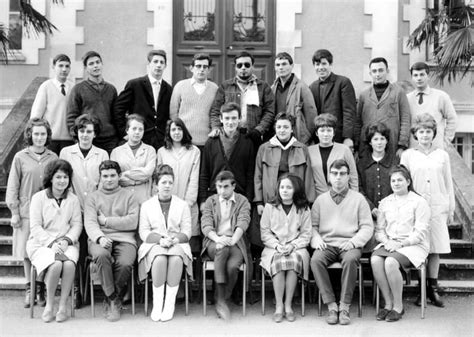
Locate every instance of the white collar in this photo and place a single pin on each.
(154, 80)
(232, 198)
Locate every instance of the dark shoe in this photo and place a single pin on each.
(115, 310)
(40, 290)
(432, 293)
(418, 301)
(26, 302)
(106, 307)
(394, 316)
(344, 317)
(61, 316)
(277, 317)
(382, 314)
(290, 316)
(77, 298)
(222, 310)
(332, 317)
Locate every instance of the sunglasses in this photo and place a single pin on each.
(245, 64)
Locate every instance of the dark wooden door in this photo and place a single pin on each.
(222, 29)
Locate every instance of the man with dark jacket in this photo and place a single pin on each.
(148, 96)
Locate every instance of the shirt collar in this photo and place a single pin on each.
(427, 91)
(287, 83)
(154, 80)
(232, 198)
(341, 194)
(58, 84)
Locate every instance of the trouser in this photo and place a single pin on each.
(349, 260)
(114, 265)
(227, 262)
(57, 145)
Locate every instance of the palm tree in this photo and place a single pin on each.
(33, 22)
(451, 29)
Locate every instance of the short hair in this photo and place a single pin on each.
(156, 52)
(420, 66)
(187, 140)
(85, 119)
(90, 54)
(162, 170)
(404, 172)
(201, 56)
(373, 128)
(378, 60)
(134, 117)
(284, 56)
(424, 121)
(61, 58)
(340, 163)
(325, 120)
(29, 130)
(299, 196)
(229, 107)
(322, 54)
(54, 166)
(225, 175)
(244, 54)
(109, 165)
(285, 117)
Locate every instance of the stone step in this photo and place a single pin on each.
(456, 286)
(5, 245)
(3, 190)
(456, 269)
(4, 211)
(460, 249)
(5, 228)
(11, 267)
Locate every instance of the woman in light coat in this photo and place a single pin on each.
(136, 159)
(53, 246)
(403, 232)
(165, 228)
(286, 232)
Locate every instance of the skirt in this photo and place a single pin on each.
(281, 262)
(404, 262)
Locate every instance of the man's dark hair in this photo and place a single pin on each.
(156, 52)
(244, 54)
(61, 58)
(322, 54)
(199, 57)
(110, 165)
(90, 54)
(378, 60)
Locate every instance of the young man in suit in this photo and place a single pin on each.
(148, 96)
(334, 94)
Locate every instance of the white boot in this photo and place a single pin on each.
(158, 295)
(170, 301)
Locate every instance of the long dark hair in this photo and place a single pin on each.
(54, 166)
(299, 196)
(187, 139)
(405, 173)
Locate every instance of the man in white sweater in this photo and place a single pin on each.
(51, 100)
(342, 225)
(192, 100)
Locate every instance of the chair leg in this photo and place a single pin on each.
(146, 296)
(377, 298)
(361, 289)
(33, 290)
(244, 295)
(263, 291)
(204, 290)
(133, 291)
(423, 291)
(320, 310)
(73, 297)
(91, 285)
(302, 297)
(186, 293)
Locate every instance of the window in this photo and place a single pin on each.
(15, 28)
(464, 145)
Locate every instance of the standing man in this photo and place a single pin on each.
(111, 219)
(225, 218)
(192, 100)
(254, 97)
(51, 101)
(294, 97)
(334, 94)
(433, 101)
(342, 225)
(148, 96)
(383, 102)
(96, 97)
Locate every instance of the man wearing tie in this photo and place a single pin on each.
(148, 96)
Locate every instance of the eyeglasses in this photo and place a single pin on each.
(201, 66)
(337, 173)
(245, 64)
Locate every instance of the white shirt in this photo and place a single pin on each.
(225, 228)
(199, 87)
(156, 86)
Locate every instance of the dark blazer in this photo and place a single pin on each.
(340, 101)
(137, 98)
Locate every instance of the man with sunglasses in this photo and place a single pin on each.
(192, 99)
(254, 96)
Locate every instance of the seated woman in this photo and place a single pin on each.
(324, 153)
(403, 232)
(56, 224)
(136, 159)
(165, 228)
(286, 232)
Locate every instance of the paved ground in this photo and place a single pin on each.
(457, 319)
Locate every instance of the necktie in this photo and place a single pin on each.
(420, 98)
(155, 94)
(63, 91)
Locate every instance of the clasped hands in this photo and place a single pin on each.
(285, 249)
(392, 245)
(168, 241)
(319, 244)
(224, 241)
(59, 247)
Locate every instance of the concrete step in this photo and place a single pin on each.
(12, 283)
(5, 245)
(456, 269)
(5, 228)
(4, 211)
(11, 267)
(456, 286)
(460, 249)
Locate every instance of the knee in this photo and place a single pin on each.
(376, 262)
(317, 260)
(102, 257)
(391, 265)
(350, 261)
(232, 267)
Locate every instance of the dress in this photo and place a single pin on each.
(49, 221)
(431, 174)
(137, 168)
(405, 218)
(277, 227)
(185, 164)
(152, 220)
(24, 180)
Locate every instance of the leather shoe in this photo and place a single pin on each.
(290, 316)
(222, 310)
(394, 316)
(277, 317)
(382, 314)
(61, 316)
(40, 299)
(26, 302)
(332, 317)
(344, 317)
(418, 301)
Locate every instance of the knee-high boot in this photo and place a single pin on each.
(158, 295)
(432, 292)
(170, 300)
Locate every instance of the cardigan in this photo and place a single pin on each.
(121, 210)
(336, 223)
(86, 175)
(50, 104)
(241, 163)
(339, 151)
(193, 108)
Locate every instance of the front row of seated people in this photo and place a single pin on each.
(338, 225)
